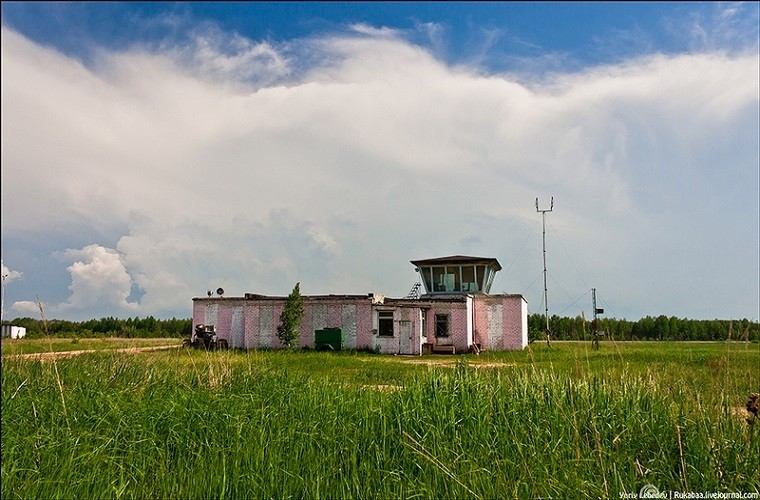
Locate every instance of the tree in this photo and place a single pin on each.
(290, 318)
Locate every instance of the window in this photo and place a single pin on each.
(427, 274)
(468, 279)
(385, 323)
(439, 279)
(441, 325)
(481, 283)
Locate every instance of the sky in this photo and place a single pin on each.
(154, 151)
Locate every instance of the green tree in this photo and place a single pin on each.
(290, 318)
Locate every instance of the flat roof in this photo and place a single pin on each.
(458, 260)
(257, 296)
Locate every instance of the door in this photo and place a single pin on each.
(405, 337)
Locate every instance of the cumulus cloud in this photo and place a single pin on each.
(233, 164)
(99, 281)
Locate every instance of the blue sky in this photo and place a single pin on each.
(152, 151)
(497, 33)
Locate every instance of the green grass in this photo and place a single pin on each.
(563, 422)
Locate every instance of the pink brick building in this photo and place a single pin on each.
(456, 313)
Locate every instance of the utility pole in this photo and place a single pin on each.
(546, 295)
(2, 302)
(595, 324)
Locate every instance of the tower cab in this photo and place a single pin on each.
(457, 274)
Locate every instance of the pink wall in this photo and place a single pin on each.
(506, 330)
(480, 322)
(364, 325)
(199, 313)
(513, 324)
(224, 322)
(458, 322)
(335, 315)
(306, 331)
(251, 325)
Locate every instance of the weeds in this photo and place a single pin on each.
(560, 422)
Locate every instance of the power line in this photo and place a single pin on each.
(501, 276)
(560, 286)
(574, 302)
(521, 247)
(556, 233)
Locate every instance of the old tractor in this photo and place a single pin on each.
(204, 337)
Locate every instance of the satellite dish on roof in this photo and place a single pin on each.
(209, 293)
(220, 291)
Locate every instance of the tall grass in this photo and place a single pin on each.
(318, 425)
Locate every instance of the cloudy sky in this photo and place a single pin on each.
(154, 151)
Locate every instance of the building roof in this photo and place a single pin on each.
(459, 260)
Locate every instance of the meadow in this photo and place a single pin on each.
(560, 422)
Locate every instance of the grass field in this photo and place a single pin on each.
(559, 422)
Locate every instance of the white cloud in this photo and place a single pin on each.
(382, 32)
(378, 153)
(9, 275)
(231, 58)
(99, 282)
(721, 26)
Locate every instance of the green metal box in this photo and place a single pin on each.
(328, 339)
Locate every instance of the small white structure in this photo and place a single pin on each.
(14, 332)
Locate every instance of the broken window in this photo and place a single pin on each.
(441, 325)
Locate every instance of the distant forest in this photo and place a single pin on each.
(149, 327)
(649, 328)
(562, 328)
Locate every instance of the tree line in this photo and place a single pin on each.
(562, 328)
(648, 328)
(149, 327)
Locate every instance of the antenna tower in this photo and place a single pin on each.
(543, 239)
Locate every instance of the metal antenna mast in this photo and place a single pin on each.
(546, 295)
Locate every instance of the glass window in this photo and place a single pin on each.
(453, 281)
(468, 279)
(439, 280)
(427, 275)
(385, 323)
(490, 273)
(441, 325)
(481, 283)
